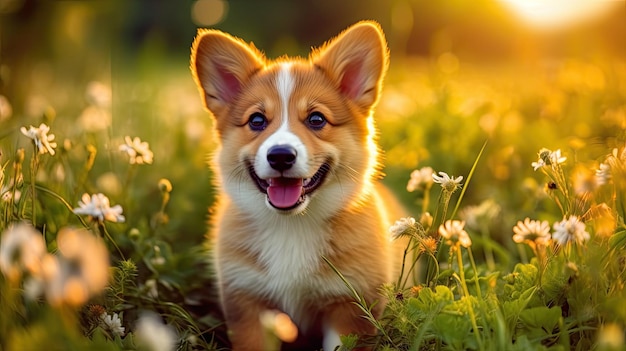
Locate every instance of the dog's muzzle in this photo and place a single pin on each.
(286, 193)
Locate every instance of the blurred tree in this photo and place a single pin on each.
(78, 40)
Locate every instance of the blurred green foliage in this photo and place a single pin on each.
(461, 73)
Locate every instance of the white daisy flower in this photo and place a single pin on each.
(570, 229)
(447, 183)
(618, 155)
(454, 233)
(548, 158)
(43, 141)
(538, 164)
(153, 334)
(112, 324)
(426, 220)
(81, 268)
(484, 213)
(532, 231)
(151, 288)
(401, 226)
(139, 151)
(21, 249)
(613, 167)
(556, 158)
(603, 174)
(419, 177)
(7, 194)
(94, 119)
(98, 207)
(34, 287)
(98, 94)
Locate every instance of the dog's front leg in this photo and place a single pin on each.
(344, 318)
(242, 312)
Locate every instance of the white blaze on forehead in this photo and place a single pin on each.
(285, 84)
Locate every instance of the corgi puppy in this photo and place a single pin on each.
(297, 170)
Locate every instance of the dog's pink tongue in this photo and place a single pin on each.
(284, 192)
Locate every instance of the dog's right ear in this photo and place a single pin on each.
(221, 65)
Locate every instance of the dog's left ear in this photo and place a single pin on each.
(356, 60)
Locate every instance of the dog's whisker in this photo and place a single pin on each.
(238, 176)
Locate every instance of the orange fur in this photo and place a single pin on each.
(269, 256)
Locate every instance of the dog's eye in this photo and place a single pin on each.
(316, 121)
(257, 122)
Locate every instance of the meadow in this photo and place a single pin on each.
(105, 192)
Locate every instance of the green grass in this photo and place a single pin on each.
(495, 294)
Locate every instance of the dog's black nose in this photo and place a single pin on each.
(281, 157)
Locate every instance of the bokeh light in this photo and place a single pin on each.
(208, 12)
(558, 14)
(10, 6)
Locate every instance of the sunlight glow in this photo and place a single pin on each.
(556, 14)
(372, 149)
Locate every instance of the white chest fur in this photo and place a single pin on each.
(289, 252)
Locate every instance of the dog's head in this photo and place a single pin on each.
(296, 134)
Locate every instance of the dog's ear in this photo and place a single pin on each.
(221, 65)
(356, 60)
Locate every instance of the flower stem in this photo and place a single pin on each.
(91, 158)
(473, 263)
(33, 173)
(436, 221)
(467, 295)
(426, 201)
(436, 268)
(406, 251)
(17, 174)
(130, 174)
(491, 263)
(445, 202)
(540, 253)
(101, 229)
(469, 178)
(409, 272)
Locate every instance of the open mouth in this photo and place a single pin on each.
(286, 193)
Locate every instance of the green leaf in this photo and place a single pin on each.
(445, 275)
(618, 240)
(522, 344)
(348, 342)
(429, 302)
(540, 321)
(486, 283)
(524, 277)
(468, 179)
(454, 330)
(98, 336)
(512, 309)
